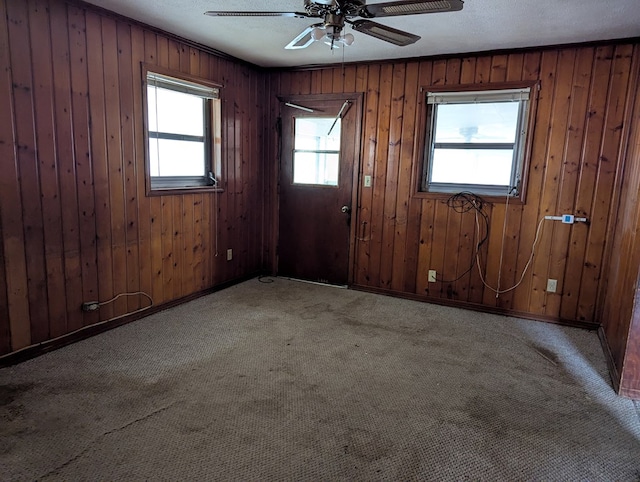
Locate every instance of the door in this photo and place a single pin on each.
(319, 154)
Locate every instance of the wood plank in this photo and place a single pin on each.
(551, 184)
(405, 218)
(326, 82)
(48, 166)
(608, 165)
(380, 174)
(126, 82)
(115, 162)
(32, 211)
(5, 327)
(82, 161)
(98, 140)
(367, 163)
(64, 147)
(390, 221)
(14, 266)
(569, 238)
(177, 218)
(168, 283)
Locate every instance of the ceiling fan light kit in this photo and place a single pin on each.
(336, 13)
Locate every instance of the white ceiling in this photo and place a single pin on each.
(481, 25)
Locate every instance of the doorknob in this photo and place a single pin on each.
(345, 209)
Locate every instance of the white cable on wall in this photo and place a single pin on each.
(499, 291)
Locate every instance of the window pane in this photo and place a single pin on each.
(175, 112)
(315, 168)
(472, 166)
(477, 123)
(176, 158)
(311, 134)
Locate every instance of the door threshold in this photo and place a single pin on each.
(343, 287)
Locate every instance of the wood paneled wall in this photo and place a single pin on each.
(621, 314)
(575, 168)
(76, 224)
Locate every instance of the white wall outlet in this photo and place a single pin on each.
(229, 254)
(432, 276)
(367, 181)
(552, 285)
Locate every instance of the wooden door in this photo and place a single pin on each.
(318, 161)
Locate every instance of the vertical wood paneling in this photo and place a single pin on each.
(621, 305)
(83, 161)
(76, 222)
(5, 327)
(574, 168)
(403, 222)
(14, 267)
(363, 249)
(25, 143)
(381, 139)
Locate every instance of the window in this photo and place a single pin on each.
(475, 141)
(183, 132)
(316, 151)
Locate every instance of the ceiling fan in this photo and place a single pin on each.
(336, 13)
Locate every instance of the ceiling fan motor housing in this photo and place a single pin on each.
(321, 8)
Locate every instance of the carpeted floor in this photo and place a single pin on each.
(294, 381)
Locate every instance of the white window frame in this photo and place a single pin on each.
(435, 98)
(157, 77)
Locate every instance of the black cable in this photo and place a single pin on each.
(464, 202)
(265, 278)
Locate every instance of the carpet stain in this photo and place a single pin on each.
(367, 445)
(546, 354)
(10, 392)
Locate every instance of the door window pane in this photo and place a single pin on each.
(315, 168)
(316, 156)
(312, 134)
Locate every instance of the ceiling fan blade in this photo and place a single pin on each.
(383, 32)
(410, 7)
(212, 13)
(303, 40)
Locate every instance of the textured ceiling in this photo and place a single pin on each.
(481, 25)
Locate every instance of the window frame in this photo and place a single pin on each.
(423, 149)
(212, 135)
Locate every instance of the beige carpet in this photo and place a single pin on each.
(294, 381)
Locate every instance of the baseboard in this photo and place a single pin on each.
(632, 393)
(91, 330)
(588, 325)
(614, 374)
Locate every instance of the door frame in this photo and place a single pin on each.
(358, 100)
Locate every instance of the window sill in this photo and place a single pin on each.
(443, 196)
(183, 190)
